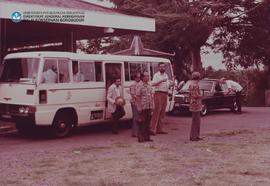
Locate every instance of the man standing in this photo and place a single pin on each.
(195, 106)
(234, 87)
(132, 91)
(144, 106)
(115, 91)
(161, 84)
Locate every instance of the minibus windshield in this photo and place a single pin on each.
(20, 70)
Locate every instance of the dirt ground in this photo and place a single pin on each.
(235, 151)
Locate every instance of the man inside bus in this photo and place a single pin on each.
(77, 76)
(50, 75)
(116, 109)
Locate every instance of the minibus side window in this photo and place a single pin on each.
(87, 69)
(127, 75)
(137, 68)
(50, 72)
(78, 76)
(98, 69)
(63, 71)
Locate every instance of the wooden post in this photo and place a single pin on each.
(71, 42)
(3, 35)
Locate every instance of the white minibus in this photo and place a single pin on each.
(39, 88)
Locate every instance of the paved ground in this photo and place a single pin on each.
(235, 151)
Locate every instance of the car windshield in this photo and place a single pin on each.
(20, 70)
(204, 85)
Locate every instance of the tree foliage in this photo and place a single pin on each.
(246, 41)
(240, 28)
(183, 26)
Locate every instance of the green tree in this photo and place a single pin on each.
(184, 26)
(246, 40)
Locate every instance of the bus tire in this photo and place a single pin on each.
(62, 125)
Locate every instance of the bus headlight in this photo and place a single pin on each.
(27, 109)
(21, 110)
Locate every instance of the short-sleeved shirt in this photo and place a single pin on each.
(132, 91)
(234, 85)
(144, 91)
(49, 76)
(164, 86)
(195, 97)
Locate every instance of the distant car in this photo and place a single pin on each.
(215, 96)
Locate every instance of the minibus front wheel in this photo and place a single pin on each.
(62, 125)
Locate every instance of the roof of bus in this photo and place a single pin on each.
(81, 56)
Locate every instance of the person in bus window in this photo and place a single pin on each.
(77, 76)
(50, 75)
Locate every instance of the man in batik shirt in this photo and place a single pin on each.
(195, 106)
(144, 103)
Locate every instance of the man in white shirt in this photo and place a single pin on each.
(161, 83)
(235, 88)
(50, 75)
(114, 91)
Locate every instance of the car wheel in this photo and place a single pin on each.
(61, 125)
(234, 107)
(204, 110)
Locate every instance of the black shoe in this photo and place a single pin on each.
(162, 132)
(152, 133)
(195, 139)
(149, 140)
(115, 132)
(140, 140)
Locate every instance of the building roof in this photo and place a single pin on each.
(137, 48)
(94, 15)
(74, 4)
(87, 57)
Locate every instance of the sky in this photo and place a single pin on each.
(213, 59)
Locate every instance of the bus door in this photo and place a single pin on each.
(112, 71)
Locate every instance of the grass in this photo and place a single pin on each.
(230, 133)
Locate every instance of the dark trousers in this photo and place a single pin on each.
(115, 123)
(135, 114)
(115, 126)
(239, 101)
(144, 125)
(195, 126)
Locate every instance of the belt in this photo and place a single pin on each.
(161, 92)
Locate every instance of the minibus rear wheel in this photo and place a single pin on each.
(62, 125)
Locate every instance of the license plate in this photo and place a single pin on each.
(176, 104)
(7, 116)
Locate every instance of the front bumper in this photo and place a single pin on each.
(10, 113)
